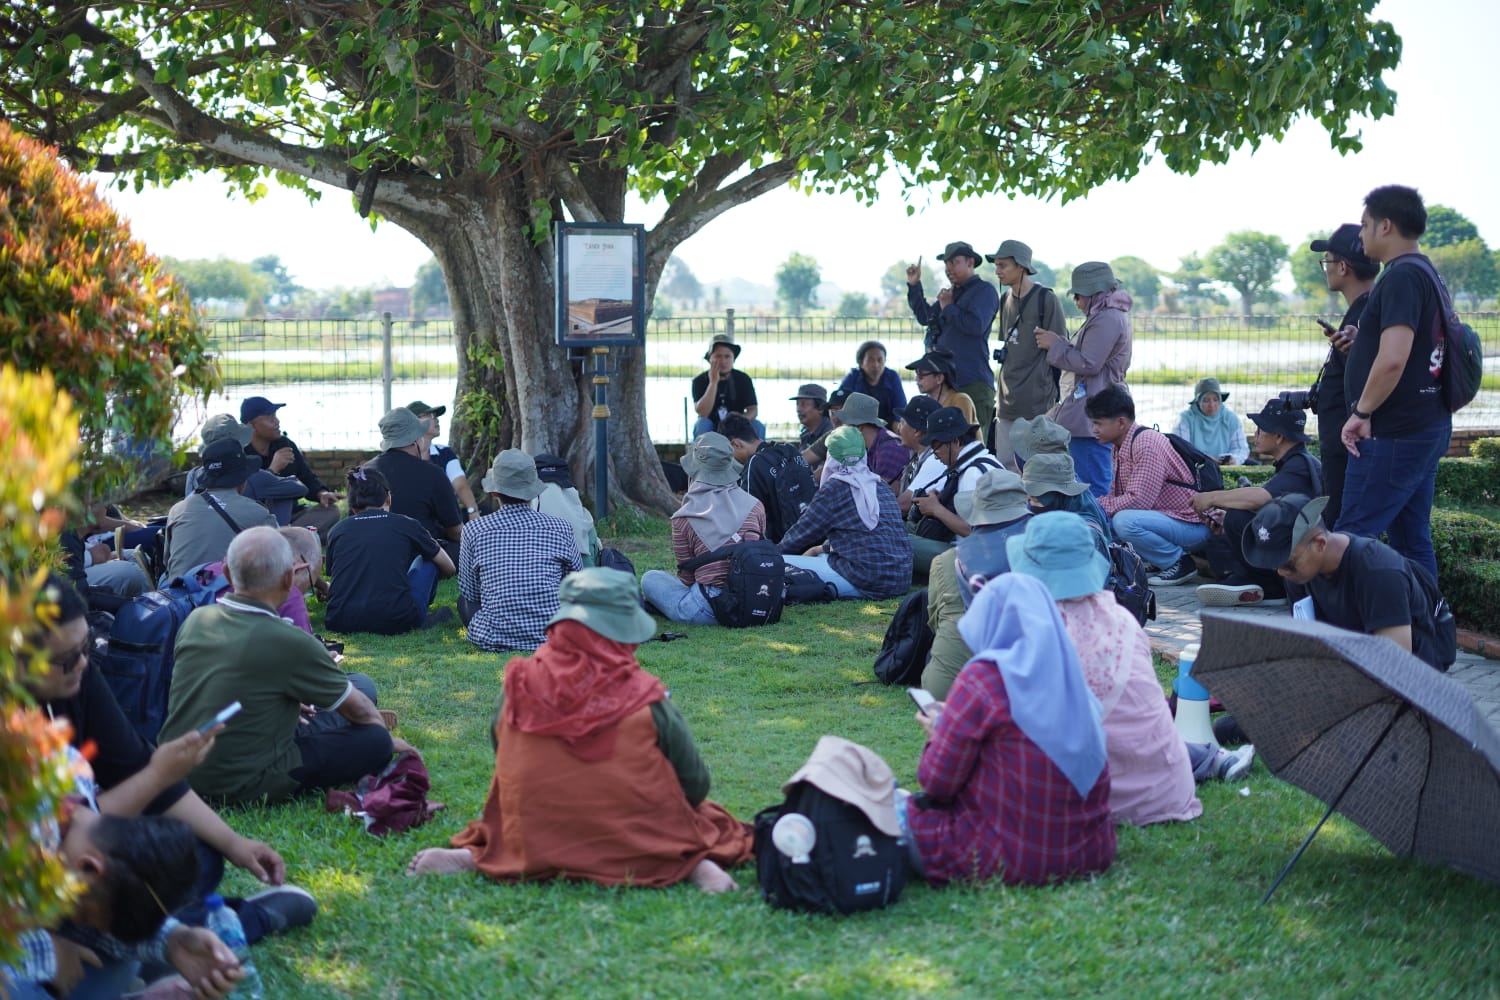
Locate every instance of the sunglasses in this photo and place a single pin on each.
(67, 661)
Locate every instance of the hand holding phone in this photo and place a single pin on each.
(1328, 328)
(923, 698)
(229, 712)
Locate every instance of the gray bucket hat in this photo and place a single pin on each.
(721, 340)
(400, 428)
(1052, 473)
(812, 391)
(606, 601)
(1016, 251)
(999, 498)
(1206, 385)
(1038, 436)
(960, 248)
(224, 425)
(710, 459)
(860, 409)
(1093, 277)
(514, 475)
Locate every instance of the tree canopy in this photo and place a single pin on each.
(797, 281)
(1447, 226)
(1138, 278)
(1248, 262)
(475, 126)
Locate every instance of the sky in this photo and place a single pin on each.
(1440, 140)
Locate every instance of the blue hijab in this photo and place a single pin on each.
(1218, 435)
(1014, 623)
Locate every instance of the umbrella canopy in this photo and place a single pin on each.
(1368, 728)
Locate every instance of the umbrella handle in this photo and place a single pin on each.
(1375, 745)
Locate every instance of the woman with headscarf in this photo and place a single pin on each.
(715, 512)
(596, 773)
(1015, 781)
(1097, 357)
(1151, 770)
(871, 377)
(851, 534)
(1212, 427)
(1051, 484)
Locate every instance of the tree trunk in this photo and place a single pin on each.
(516, 387)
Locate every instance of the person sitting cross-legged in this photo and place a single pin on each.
(511, 561)
(851, 534)
(239, 649)
(596, 774)
(418, 489)
(716, 512)
(201, 526)
(1211, 426)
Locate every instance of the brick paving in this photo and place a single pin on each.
(1177, 624)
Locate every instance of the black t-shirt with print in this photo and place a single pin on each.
(1404, 296)
(369, 554)
(734, 394)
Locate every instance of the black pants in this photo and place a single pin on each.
(1335, 459)
(1234, 545)
(337, 752)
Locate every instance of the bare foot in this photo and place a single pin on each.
(441, 861)
(709, 877)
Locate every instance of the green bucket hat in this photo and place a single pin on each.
(1050, 472)
(710, 459)
(846, 444)
(514, 475)
(1016, 251)
(607, 601)
(999, 498)
(1092, 278)
(961, 248)
(224, 425)
(1038, 436)
(1207, 385)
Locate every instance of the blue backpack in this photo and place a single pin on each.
(138, 663)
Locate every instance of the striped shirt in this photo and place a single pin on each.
(510, 564)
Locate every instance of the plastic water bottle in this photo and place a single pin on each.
(226, 924)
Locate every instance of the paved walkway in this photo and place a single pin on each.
(1177, 624)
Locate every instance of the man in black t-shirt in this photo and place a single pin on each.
(1398, 427)
(722, 390)
(1350, 274)
(1279, 438)
(1354, 583)
(280, 455)
(419, 489)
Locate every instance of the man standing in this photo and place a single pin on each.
(1026, 386)
(201, 526)
(280, 455)
(959, 322)
(240, 649)
(1279, 438)
(1398, 427)
(1150, 502)
(812, 406)
(1355, 583)
(884, 453)
(419, 489)
(1351, 274)
(445, 458)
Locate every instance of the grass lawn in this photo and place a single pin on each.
(1178, 914)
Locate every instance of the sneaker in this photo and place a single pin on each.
(283, 908)
(1232, 765)
(438, 617)
(1180, 572)
(1229, 595)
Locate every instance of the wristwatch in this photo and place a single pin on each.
(1362, 416)
(471, 511)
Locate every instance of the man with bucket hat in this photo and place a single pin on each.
(201, 526)
(884, 453)
(279, 493)
(419, 489)
(723, 389)
(444, 457)
(911, 424)
(511, 561)
(959, 322)
(1356, 583)
(1279, 438)
(1028, 387)
(943, 505)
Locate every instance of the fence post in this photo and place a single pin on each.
(387, 370)
(729, 324)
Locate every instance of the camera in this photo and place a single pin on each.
(999, 355)
(1299, 399)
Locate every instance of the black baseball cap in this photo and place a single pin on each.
(1277, 418)
(1345, 243)
(1279, 528)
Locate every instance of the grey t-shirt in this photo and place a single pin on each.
(197, 534)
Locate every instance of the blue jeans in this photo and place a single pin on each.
(1388, 488)
(1093, 463)
(422, 578)
(704, 425)
(1158, 538)
(820, 566)
(677, 600)
(103, 982)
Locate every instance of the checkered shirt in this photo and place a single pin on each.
(887, 458)
(877, 561)
(520, 556)
(1144, 462)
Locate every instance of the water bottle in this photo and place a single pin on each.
(226, 924)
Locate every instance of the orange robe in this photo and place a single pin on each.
(619, 821)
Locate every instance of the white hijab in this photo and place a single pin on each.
(715, 512)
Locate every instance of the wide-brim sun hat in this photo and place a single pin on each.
(1207, 385)
(947, 424)
(1093, 277)
(606, 601)
(1052, 472)
(861, 409)
(1016, 251)
(917, 411)
(1037, 436)
(999, 498)
(513, 475)
(721, 340)
(710, 459)
(223, 425)
(1061, 550)
(854, 774)
(961, 248)
(225, 465)
(400, 428)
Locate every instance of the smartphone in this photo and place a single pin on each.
(1328, 327)
(229, 712)
(923, 698)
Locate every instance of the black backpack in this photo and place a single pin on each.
(803, 586)
(794, 487)
(1128, 581)
(1463, 354)
(931, 527)
(1203, 471)
(908, 641)
(852, 866)
(1434, 636)
(755, 588)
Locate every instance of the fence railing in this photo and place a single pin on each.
(339, 376)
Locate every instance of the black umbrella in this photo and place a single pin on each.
(1368, 728)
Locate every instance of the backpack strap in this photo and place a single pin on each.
(723, 552)
(218, 507)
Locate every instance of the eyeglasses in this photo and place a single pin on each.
(67, 661)
(1328, 262)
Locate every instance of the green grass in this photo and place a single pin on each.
(1178, 914)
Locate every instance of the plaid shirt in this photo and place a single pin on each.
(996, 802)
(1144, 462)
(877, 561)
(887, 457)
(521, 556)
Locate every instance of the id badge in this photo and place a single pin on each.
(1080, 391)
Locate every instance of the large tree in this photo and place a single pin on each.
(1248, 262)
(1447, 226)
(1194, 283)
(476, 125)
(1468, 267)
(1138, 278)
(797, 281)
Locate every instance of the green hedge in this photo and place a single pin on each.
(1459, 480)
(1468, 557)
